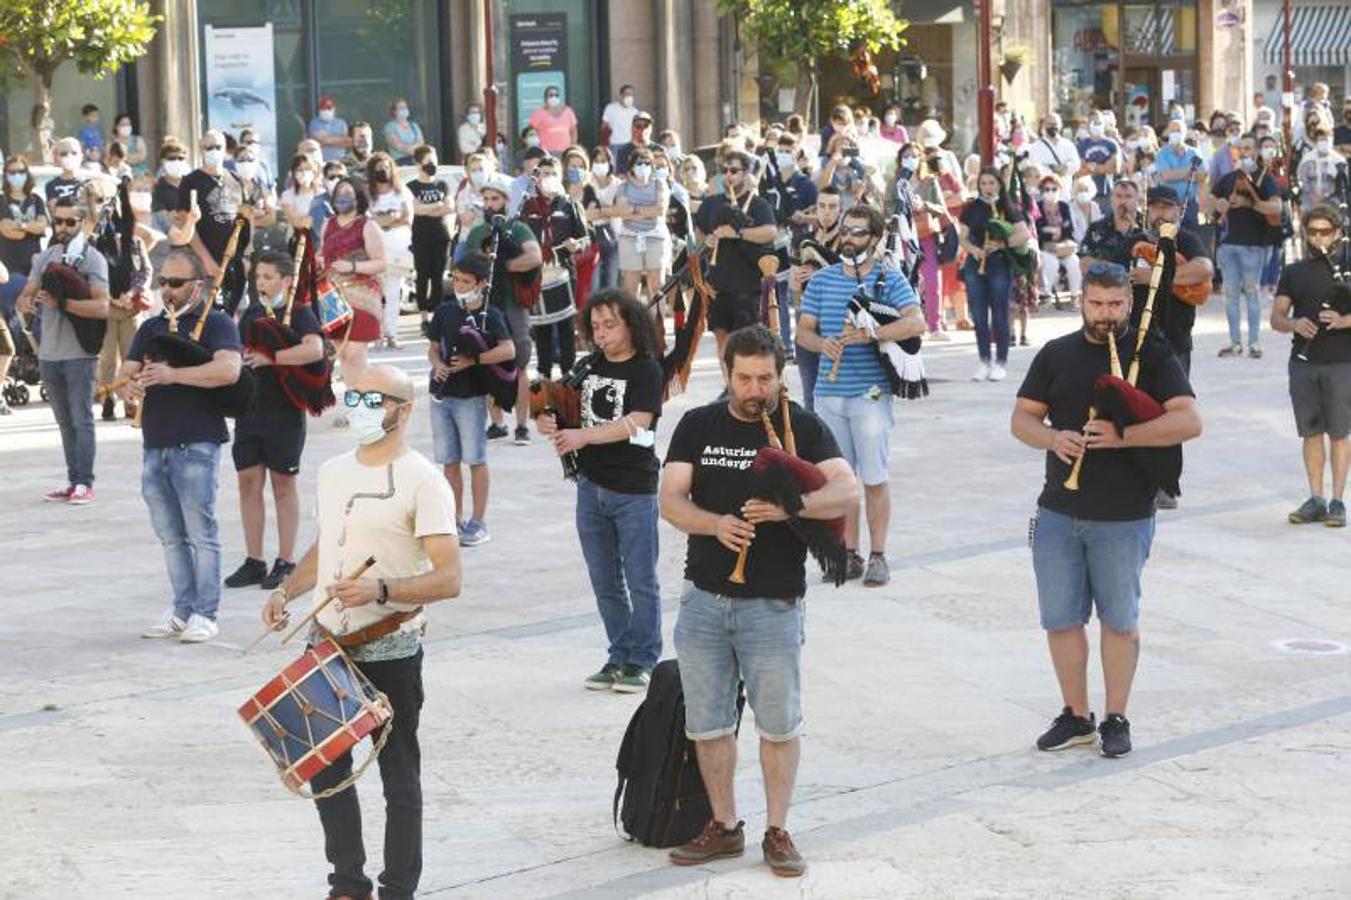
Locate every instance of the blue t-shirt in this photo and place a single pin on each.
(91, 137)
(1180, 158)
(177, 413)
(334, 127)
(1098, 151)
(827, 298)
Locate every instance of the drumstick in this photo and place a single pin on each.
(361, 570)
(285, 617)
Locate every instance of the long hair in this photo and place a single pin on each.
(381, 158)
(634, 315)
(1003, 204)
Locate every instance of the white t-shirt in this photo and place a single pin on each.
(1065, 154)
(620, 119)
(379, 511)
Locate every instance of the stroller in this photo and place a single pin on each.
(23, 369)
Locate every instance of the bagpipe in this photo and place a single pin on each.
(526, 286)
(689, 278)
(497, 380)
(182, 352)
(562, 399)
(1190, 294)
(901, 360)
(65, 283)
(780, 476)
(999, 231)
(128, 270)
(1121, 402)
(309, 387)
(1338, 260)
(1246, 186)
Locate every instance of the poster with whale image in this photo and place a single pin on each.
(241, 85)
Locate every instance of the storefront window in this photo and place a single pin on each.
(535, 45)
(1087, 59)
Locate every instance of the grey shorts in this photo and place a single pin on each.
(518, 323)
(1320, 394)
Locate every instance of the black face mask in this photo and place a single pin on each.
(382, 175)
(1052, 132)
(429, 168)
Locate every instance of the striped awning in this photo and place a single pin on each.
(1157, 33)
(1319, 36)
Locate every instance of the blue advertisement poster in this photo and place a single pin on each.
(539, 59)
(241, 84)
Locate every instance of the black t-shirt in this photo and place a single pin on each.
(1172, 318)
(1309, 284)
(1112, 485)
(269, 396)
(611, 391)
(61, 188)
(445, 330)
(219, 198)
(164, 196)
(554, 221)
(1054, 234)
(1341, 135)
(977, 214)
(18, 255)
(429, 192)
(722, 448)
(1245, 226)
(177, 413)
(738, 269)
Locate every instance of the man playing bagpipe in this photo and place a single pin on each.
(814, 250)
(1095, 516)
(1313, 302)
(70, 281)
(792, 194)
(751, 512)
(292, 378)
(472, 355)
(854, 396)
(1189, 284)
(182, 429)
(613, 437)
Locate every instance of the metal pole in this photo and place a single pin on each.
(490, 87)
(985, 80)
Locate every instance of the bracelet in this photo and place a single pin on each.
(285, 594)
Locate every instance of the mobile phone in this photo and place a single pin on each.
(851, 152)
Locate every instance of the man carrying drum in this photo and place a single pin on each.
(728, 631)
(387, 501)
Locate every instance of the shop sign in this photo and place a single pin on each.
(241, 84)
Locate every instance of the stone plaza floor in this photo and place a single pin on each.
(126, 772)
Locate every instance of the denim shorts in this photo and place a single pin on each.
(722, 640)
(1081, 563)
(862, 428)
(459, 430)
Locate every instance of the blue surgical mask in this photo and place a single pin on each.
(642, 171)
(473, 118)
(367, 425)
(574, 175)
(213, 158)
(661, 173)
(478, 177)
(344, 204)
(783, 160)
(17, 179)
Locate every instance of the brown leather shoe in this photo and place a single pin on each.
(780, 854)
(714, 842)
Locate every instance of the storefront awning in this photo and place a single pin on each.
(935, 12)
(1319, 36)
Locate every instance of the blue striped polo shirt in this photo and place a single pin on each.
(827, 298)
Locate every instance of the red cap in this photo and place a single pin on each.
(326, 102)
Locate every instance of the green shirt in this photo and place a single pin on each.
(514, 237)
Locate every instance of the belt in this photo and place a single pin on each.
(386, 626)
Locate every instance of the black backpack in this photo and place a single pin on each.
(664, 803)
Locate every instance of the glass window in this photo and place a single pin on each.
(1087, 58)
(578, 87)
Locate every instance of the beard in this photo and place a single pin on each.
(1098, 331)
(753, 408)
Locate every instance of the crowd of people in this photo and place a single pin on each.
(838, 251)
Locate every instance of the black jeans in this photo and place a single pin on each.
(560, 337)
(401, 775)
(430, 253)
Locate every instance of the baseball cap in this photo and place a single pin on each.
(497, 182)
(643, 116)
(326, 102)
(1162, 194)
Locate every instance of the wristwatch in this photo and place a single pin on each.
(384, 592)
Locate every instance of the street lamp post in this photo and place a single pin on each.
(490, 88)
(985, 78)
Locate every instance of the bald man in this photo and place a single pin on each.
(385, 500)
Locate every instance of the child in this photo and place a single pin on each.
(91, 135)
(459, 382)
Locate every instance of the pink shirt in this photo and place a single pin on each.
(896, 134)
(555, 132)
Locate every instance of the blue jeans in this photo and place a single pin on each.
(988, 298)
(1080, 563)
(70, 388)
(785, 317)
(1271, 269)
(619, 541)
(862, 428)
(721, 640)
(458, 434)
(1241, 267)
(179, 486)
(607, 271)
(808, 362)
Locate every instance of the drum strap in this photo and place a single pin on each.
(388, 625)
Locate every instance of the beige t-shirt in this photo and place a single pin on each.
(379, 511)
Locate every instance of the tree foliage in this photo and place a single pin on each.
(37, 36)
(812, 30)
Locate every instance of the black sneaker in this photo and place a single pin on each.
(253, 571)
(280, 569)
(497, 431)
(855, 568)
(522, 436)
(1068, 730)
(1116, 735)
(109, 411)
(1336, 517)
(1311, 510)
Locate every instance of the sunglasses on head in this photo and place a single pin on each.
(68, 222)
(370, 399)
(1106, 269)
(176, 282)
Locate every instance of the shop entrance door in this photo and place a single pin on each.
(1142, 99)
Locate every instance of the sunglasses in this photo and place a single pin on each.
(176, 282)
(370, 399)
(731, 170)
(857, 231)
(1321, 232)
(69, 223)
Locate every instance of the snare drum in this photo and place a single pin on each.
(334, 310)
(555, 302)
(318, 708)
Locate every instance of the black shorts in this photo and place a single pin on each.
(1320, 394)
(7, 347)
(732, 311)
(271, 436)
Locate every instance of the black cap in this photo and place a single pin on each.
(1162, 194)
(475, 263)
(536, 153)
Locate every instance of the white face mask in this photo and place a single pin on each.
(1085, 196)
(930, 142)
(330, 184)
(890, 119)
(1248, 164)
(478, 177)
(368, 425)
(1051, 196)
(551, 186)
(213, 158)
(661, 173)
(1323, 146)
(626, 101)
(1268, 153)
(175, 168)
(468, 298)
(1175, 137)
(246, 169)
(124, 131)
(326, 115)
(473, 118)
(552, 101)
(401, 113)
(642, 171)
(1095, 130)
(783, 160)
(909, 164)
(989, 196)
(70, 161)
(304, 178)
(1132, 145)
(600, 169)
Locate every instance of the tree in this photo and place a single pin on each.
(810, 31)
(37, 36)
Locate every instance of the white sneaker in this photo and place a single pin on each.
(199, 630)
(169, 625)
(982, 372)
(997, 372)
